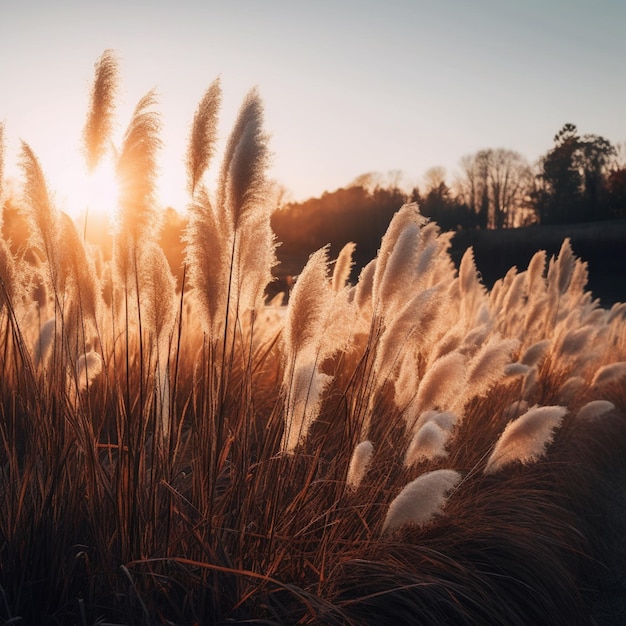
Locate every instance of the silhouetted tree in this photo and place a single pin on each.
(572, 178)
(616, 187)
(439, 203)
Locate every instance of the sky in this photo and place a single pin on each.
(348, 87)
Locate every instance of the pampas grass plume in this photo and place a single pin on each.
(242, 184)
(576, 340)
(359, 463)
(407, 216)
(561, 270)
(257, 257)
(429, 443)
(303, 404)
(158, 288)
(516, 369)
(535, 353)
(446, 420)
(609, 373)
(421, 500)
(39, 208)
(594, 409)
(305, 319)
(343, 266)
(363, 289)
(88, 366)
(80, 267)
(99, 121)
(208, 257)
(526, 438)
(487, 366)
(534, 273)
(400, 266)
(137, 171)
(442, 383)
(203, 136)
(570, 389)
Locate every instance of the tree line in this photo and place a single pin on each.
(581, 178)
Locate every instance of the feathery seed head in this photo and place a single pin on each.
(594, 409)
(560, 270)
(203, 137)
(407, 216)
(399, 267)
(158, 290)
(609, 373)
(40, 211)
(535, 353)
(242, 186)
(139, 217)
(9, 276)
(305, 313)
(208, 257)
(443, 383)
(359, 464)
(363, 290)
(98, 126)
(526, 438)
(88, 366)
(77, 269)
(343, 266)
(428, 443)
(304, 391)
(421, 500)
(535, 283)
(487, 365)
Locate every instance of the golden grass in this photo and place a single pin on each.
(189, 454)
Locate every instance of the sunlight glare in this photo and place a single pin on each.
(94, 193)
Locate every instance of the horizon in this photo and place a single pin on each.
(393, 88)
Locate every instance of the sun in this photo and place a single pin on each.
(92, 195)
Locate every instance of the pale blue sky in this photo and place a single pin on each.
(349, 87)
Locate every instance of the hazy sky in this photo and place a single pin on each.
(349, 87)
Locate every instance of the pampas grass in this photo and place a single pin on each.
(594, 409)
(428, 443)
(613, 372)
(421, 500)
(100, 117)
(359, 464)
(525, 439)
(343, 266)
(203, 137)
(137, 171)
(182, 451)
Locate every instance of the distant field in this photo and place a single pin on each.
(602, 245)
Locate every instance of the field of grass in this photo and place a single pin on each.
(414, 448)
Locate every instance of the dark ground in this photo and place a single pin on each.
(610, 607)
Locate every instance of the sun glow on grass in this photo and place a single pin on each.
(91, 193)
(394, 451)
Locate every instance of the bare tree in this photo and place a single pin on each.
(496, 184)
